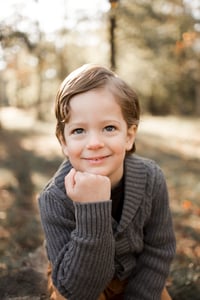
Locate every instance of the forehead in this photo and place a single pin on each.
(96, 102)
(95, 97)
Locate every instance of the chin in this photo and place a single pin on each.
(98, 172)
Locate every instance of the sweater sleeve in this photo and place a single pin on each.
(80, 247)
(149, 277)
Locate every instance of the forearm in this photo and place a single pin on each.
(149, 277)
(83, 262)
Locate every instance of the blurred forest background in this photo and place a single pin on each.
(155, 47)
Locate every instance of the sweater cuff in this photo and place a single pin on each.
(93, 219)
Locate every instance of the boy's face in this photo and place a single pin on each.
(96, 136)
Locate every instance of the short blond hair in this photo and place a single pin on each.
(90, 77)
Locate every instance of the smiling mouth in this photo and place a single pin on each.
(96, 159)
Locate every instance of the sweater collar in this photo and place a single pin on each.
(135, 181)
(134, 185)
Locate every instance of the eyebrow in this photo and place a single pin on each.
(77, 124)
(83, 124)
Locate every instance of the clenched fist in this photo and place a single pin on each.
(87, 187)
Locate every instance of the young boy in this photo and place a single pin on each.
(105, 213)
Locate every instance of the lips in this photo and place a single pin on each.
(96, 159)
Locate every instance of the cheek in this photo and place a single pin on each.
(73, 148)
(120, 147)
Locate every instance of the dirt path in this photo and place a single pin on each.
(30, 154)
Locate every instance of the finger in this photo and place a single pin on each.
(70, 179)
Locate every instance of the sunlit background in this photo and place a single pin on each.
(154, 46)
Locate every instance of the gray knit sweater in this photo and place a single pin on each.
(87, 247)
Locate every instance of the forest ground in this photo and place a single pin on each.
(30, 154)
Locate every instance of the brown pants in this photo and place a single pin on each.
(114, 291)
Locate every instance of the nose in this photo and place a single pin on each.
(95, 141)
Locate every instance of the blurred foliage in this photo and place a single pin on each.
(161, 48)
(157, 52)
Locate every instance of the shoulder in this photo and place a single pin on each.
(144, 169)
(53, 201)
(142, 163)
(55, 187)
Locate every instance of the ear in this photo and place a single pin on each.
(130, 139)
(64, 146)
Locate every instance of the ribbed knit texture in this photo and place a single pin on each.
(87, 247)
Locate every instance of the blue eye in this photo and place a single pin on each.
(110, 128)
(78, 131)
